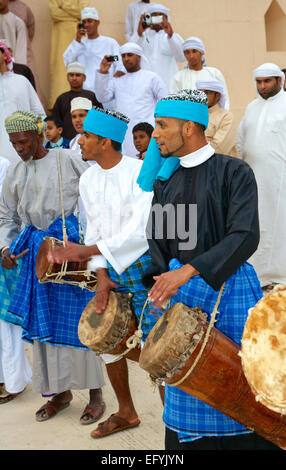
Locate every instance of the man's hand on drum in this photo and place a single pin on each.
(167, 284)
(8, 260)
(72, 252)
(103, 287)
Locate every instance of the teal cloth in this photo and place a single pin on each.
(155, 166)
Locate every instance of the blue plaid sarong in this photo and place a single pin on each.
(48, 312)
(8, 282)
(184, 414)
(131, 281)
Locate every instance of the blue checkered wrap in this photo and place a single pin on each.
(131, 281)
(49, 312)
(8, 282)
(184, 414)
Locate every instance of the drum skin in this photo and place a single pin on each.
(108, 332)
(218, 378)
(263, 350)
(44, 267)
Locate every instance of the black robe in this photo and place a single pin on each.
(225, 192)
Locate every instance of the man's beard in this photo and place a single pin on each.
(29, 160)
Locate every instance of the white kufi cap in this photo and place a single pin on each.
(76, 67)
(89, 12)
(80, 103)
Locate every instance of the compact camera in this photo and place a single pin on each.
(150, 20)
(112, 58)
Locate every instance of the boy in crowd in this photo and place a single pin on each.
(53, 133)
(142, 133)
(76, 78)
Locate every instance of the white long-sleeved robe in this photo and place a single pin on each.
(133, 14)
(135, 95)
(16, 93)
(13, 29)
(163, 53)
(187, 78)
(117, 212)
(90, 52)
(262, 144)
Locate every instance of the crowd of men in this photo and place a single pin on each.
(98, 154)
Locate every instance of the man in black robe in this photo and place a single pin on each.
(203, 227)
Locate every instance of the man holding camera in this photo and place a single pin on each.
(161, 46)
(145, 87)
(89, 47)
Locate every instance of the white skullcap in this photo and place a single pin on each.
(213, 85)
(157, 8)
(194, 43)
(89, 12)
(76, 67)
(269, 70)
(80, 103)
(131, 48)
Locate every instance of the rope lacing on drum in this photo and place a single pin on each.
(206, 338)
(135, 339)
(58, 278)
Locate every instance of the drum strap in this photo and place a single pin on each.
(208, 332)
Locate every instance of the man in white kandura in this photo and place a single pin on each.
(89, 47)
(196, 69)
(261, 143)
(160, 44)
(17, 93)
(143, 87)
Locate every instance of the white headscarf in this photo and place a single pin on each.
(195, 43)
(269, 70)
(133, 48)
(157, 8)
(89, 12)
(213, 85)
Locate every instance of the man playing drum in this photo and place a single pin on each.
(48, 313)
(117, 212)
(208, 229)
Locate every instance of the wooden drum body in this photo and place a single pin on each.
(107, 333)
(66, 273)
(217, 379)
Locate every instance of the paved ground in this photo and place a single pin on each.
(20, 431)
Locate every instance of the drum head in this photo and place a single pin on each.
(103, 332)
(263, 350)
(172, 341)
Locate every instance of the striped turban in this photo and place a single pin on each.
(23, 121)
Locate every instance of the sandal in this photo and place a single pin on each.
(51, 408)
(8, 398)
(113, 424)
(93, 413)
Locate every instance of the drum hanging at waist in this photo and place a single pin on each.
(73, 273)
(170, 353)
(109, 332)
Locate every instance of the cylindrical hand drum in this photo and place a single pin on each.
(217, 379)
(107, 333)
(263, 350)
(62, 273)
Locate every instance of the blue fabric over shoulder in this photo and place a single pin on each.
(155, 166)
